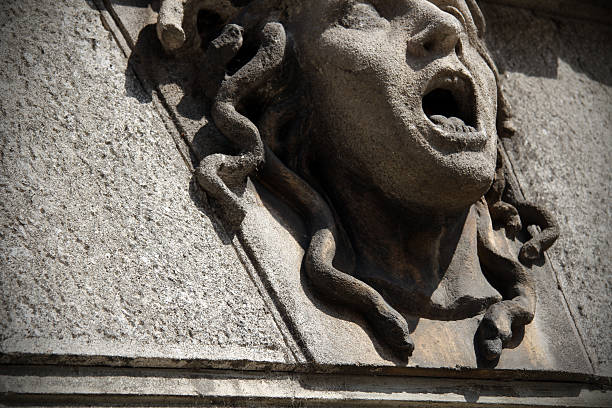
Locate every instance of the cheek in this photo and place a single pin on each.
(354, 51)
(351, 70)
(354, 66)
(490, 84)
(487, 82)
(487, 87)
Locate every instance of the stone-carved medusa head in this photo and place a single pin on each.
(378, 122)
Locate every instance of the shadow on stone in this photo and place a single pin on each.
(581, 46)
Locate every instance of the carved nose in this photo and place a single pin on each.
(439, 36)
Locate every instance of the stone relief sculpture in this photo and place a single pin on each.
(379, 123)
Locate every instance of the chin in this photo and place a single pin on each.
(471, 178)
(463, 179)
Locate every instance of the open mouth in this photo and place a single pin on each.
(450, 103)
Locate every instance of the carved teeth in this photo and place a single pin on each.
(452, 124)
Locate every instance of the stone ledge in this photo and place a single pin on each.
(72, 363)
(96, 386)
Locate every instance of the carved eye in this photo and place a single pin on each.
(362, 16)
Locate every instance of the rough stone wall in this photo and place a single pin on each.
(102, 249)
(557, 74)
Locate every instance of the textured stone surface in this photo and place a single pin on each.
(102, 249)
(104, 252)
(558, 77)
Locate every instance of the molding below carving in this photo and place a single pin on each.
(594, 10)
(98, 386)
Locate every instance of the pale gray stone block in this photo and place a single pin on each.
(104, 251)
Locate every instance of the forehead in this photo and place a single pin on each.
(405, 7)
(390, 3)
(317, 14)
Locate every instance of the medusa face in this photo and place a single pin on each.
(402, 99)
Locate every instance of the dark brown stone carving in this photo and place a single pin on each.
(378, 122)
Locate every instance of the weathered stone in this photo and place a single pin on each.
(104, 248)
(557, 74)
(373, 178)
(138, 240)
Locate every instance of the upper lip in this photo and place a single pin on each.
(451, 93)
